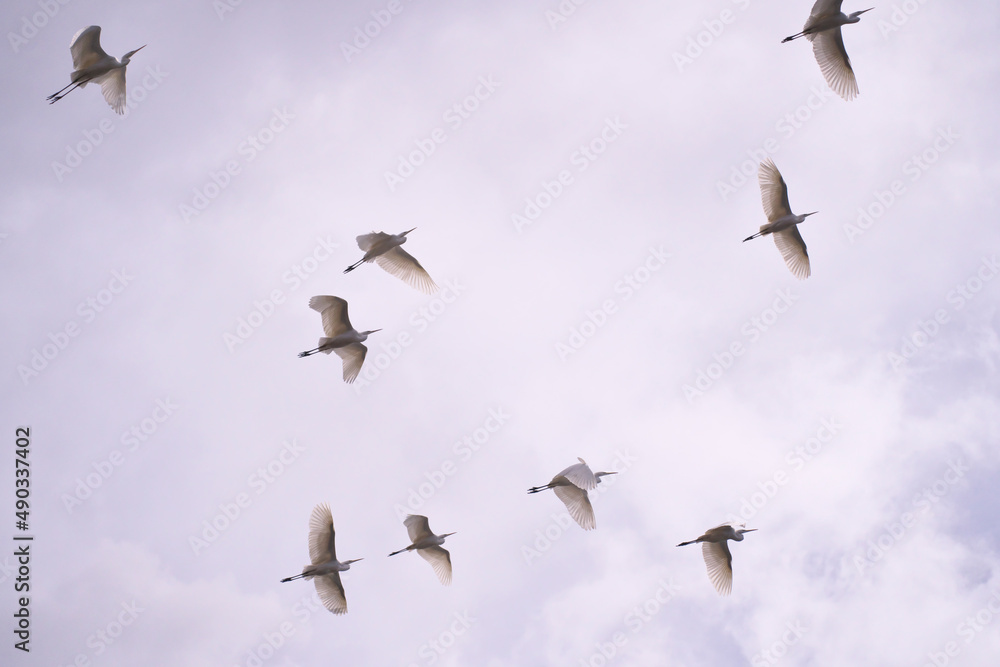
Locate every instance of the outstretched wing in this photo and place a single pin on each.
(113, 88)
(793, 250)
(417, 527)
(333, 310)
(773, 191)
(719, 562)
(578, 505)
(331, 592)
(321, 535)
(404, 266)
(354, 358)
(828, 47)
(85, 47)
(440, 560)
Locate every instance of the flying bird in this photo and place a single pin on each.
(823, 30)
(428, 545)
(384, 250)
(782, 224)
(715, 551)
(340, 337)
(91, 63)
(571, 486)
(325, 568)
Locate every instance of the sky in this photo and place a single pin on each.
(580, 177)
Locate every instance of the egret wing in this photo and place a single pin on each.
(773, 191)
(828, 47)
(113, 88)
(578, 505)
(417, 527)
(404, 266)
(354, 357)
(321, 535)
(85, 47)
(440, 560)
(793, 250)
(366, 241)
(331, 592)
(580, 475)
(821, 10)
(333, 310)
(719, 562)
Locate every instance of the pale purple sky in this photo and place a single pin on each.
(580, 189)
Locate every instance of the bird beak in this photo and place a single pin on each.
(408, 231)
(139, 49)
(865, 10)
(748, 530)
(813, 213)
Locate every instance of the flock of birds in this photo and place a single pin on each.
(92, 65)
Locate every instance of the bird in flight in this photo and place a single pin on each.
(571, 486)
(823, 30)
(782, 224)
(91, 63)
(340, 337)
(384, 250)
(715, 551)
(325, 568)
(428, 545)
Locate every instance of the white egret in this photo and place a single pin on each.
(715, 551)
(384, 250)
(341, 337)
(823, 30)
(571, 486)
(782, 224)
(325, 568)
(428, 545)
(91, 63)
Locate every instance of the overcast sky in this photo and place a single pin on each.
(580, 179)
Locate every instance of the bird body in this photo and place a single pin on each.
(91, 63)
(571, 486)
(325, 569)
(782, 224)
(823, 29)
(341, 337)
(428, 545)
(384, 250)
(715, 551)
